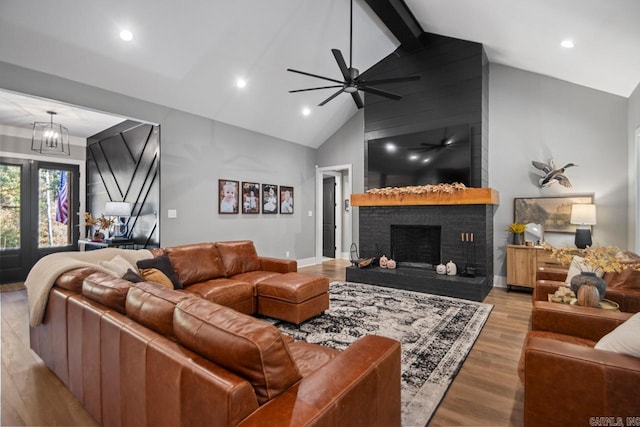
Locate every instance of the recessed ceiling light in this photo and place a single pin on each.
(567, 43)
(126, 35)
(413, 157)
(306, 111)
(241, 83)
(390, 147)
(426, 160)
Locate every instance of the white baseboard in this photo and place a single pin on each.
(306, 262)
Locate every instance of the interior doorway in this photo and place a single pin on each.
(333, 215)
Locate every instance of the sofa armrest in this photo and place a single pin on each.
(278, 265)
(359, 387)
(567, 384)
(628, 299)
(582, 322)
(551, 273)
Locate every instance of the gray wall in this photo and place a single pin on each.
(196, 152)
(633, 126)
(534, 117)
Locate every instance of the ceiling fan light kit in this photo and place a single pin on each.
(352, 83)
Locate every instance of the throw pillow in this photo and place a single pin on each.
(163, 264)
(156, 276)
(133, 277)
(578, 266)
(624, 339)
(117, 266)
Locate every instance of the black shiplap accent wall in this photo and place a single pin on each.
(453, 89)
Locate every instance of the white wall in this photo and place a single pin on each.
(196, 152)
(534, 117)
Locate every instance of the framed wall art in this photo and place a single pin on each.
(269, 199)
(250, 198)
(228, 196)
(554, 213)
(286, 200)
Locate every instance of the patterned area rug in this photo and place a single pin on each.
(436, 334)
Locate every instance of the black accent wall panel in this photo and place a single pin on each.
(123, 165)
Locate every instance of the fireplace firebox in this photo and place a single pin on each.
(416, 245)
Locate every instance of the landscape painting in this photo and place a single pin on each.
(554, 213)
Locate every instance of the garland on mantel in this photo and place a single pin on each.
(420, 189)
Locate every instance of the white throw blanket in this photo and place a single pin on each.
(45, 272)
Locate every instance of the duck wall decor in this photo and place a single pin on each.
(552, 174)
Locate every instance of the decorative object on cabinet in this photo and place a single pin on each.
(584, 216)
(552, 174)
(517, 231)
(553, 213)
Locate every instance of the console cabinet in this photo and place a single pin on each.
(523, 262)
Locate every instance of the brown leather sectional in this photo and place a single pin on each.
(141, 354)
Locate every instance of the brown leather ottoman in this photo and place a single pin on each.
(294, 297)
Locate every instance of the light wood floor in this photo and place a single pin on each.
(486, 391)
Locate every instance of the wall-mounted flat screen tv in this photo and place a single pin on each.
(432, 156)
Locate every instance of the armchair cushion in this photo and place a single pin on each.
(624, 339)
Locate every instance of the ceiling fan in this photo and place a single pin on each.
(352, 82)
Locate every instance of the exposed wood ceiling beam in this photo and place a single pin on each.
(398, 18)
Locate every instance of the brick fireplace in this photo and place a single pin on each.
(455, 221)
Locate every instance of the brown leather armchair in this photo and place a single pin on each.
(567, 381)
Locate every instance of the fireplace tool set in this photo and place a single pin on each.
(469, 252)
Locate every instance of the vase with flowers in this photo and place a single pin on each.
(517, 230)
(97, 228)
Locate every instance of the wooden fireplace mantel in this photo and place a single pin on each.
(468, 196)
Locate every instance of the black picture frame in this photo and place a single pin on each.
(286, 200)
(251, 198)
(269, 199)
(228, 204)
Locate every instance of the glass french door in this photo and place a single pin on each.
(39, 202)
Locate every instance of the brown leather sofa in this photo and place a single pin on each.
(141, 354)
(567, 381)
(623, 287)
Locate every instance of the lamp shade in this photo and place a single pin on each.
(583, 214)
(117, 209)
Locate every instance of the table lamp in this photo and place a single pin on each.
(583, 215)
(121, 210)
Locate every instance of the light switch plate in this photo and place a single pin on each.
(172, 213)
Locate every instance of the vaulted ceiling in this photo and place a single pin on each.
(188, 55)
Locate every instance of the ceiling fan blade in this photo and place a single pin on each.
(380, 92)
(343, 65)
(331, 97)
(357, 100)
(314, 75)
(390, 80)
(315, 88)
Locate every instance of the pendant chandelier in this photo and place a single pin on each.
(50, 138)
